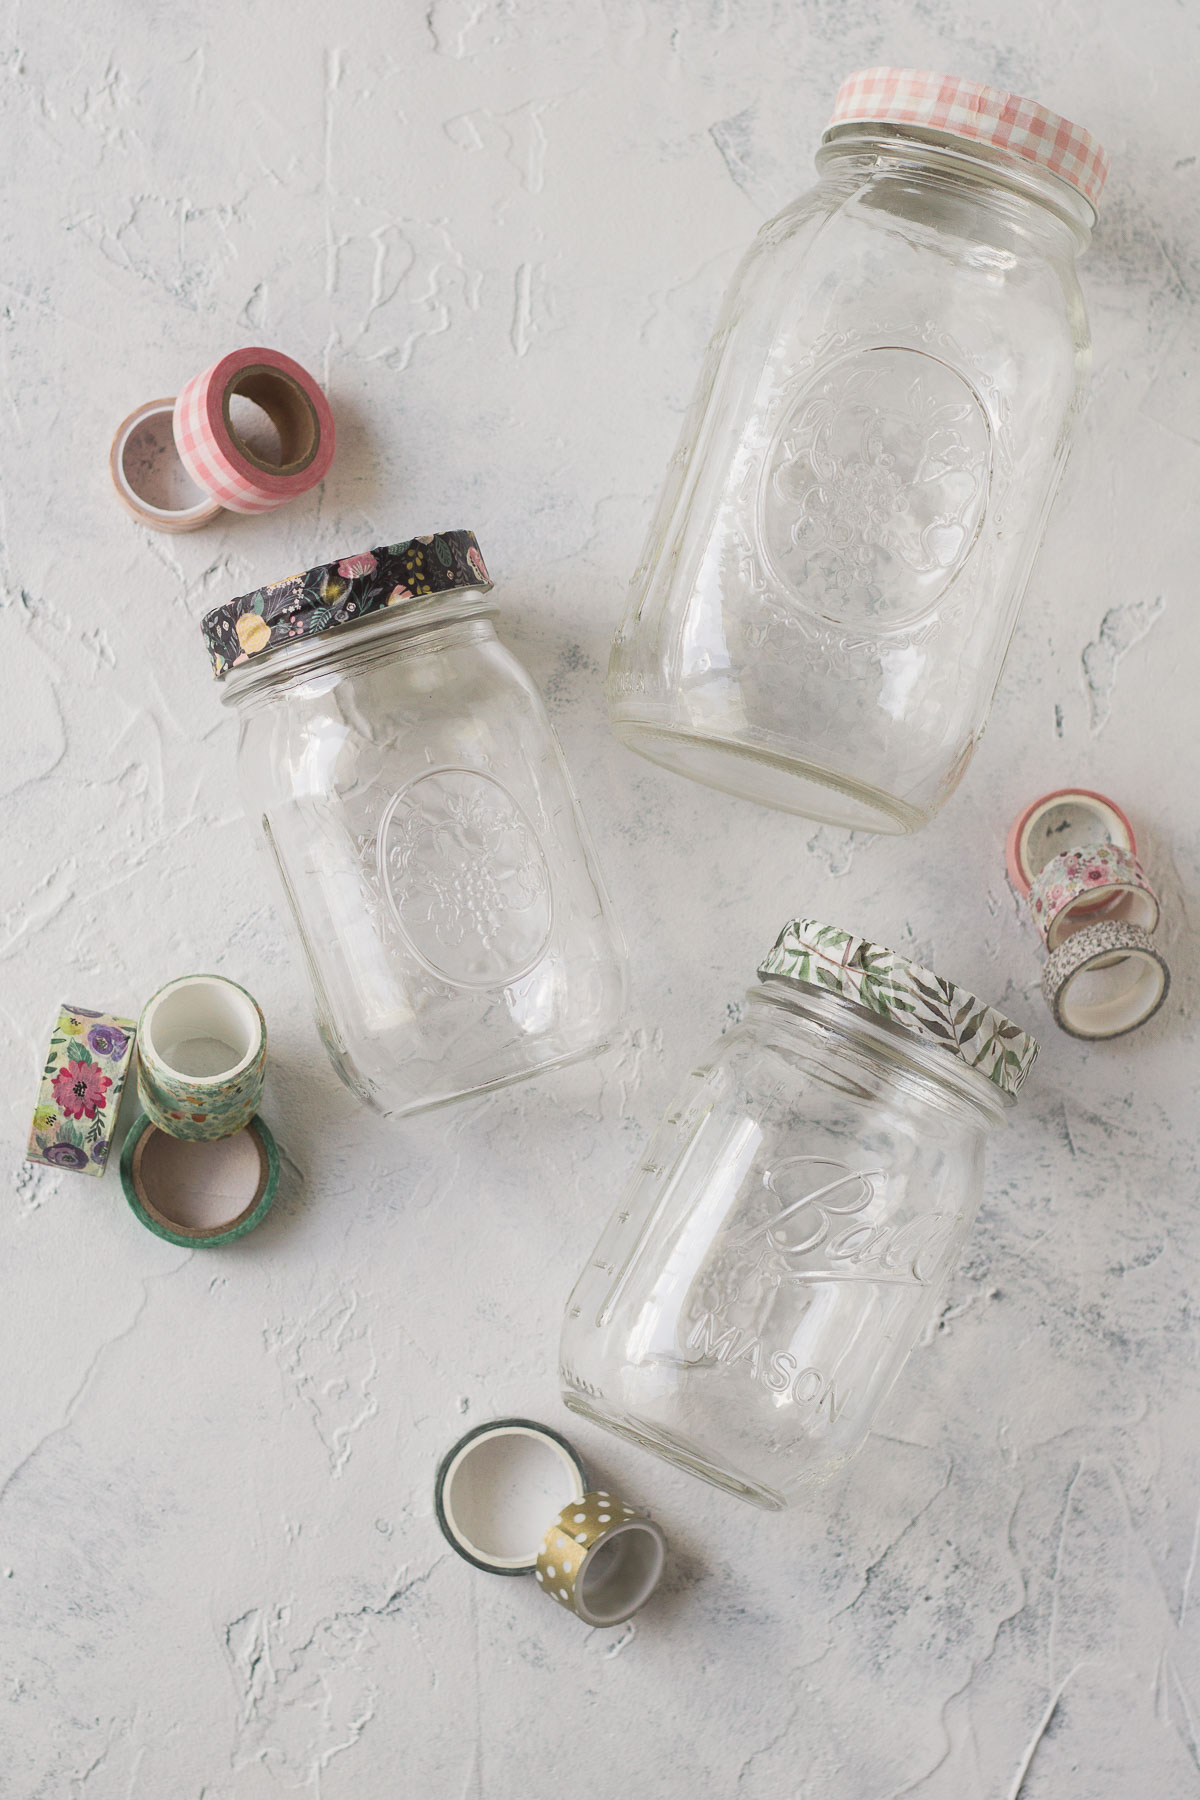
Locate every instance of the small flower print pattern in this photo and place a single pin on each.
(1069, 877)
(826, 958)
(79, 1089)
(107, 1040)
(66, 1156)
(362, 564)
(337, 593)
(82, 1081)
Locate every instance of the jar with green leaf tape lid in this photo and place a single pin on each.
(792, 1227)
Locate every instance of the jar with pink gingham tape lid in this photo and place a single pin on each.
(833, 574)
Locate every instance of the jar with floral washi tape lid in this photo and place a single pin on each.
(829, 586)
(792, 1225)
(422, 824)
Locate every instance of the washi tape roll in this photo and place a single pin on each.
(223, 462)
(511, 1498)
(148, 473)
(1100, 879)
(601, 1560)
(499, 1487)
(1105, 979)
(80, 1090)
(200, 1195)
(202, 1051)
(1065, 820)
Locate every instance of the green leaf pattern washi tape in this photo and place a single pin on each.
(834, 961)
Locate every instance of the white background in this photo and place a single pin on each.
(499, 231)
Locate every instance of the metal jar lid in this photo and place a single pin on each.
(341, 593)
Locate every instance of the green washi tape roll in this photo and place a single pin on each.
(200, 1194)
(202, 1055)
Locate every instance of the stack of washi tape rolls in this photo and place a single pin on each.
(1073, 856)
(246, 436)
(199, 1166)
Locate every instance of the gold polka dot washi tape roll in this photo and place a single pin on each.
(600, 1559)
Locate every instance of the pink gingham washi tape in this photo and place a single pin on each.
(222, 463)
(1098, 880)
(968, 109)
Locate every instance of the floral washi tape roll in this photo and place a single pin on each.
(1102, 879)
(202, 1051)
(511, 1498)
(80, 1091)
(336, 593)
(1105, 979)
(1068, 819)
(223, 462)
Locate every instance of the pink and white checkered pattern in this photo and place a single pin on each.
(968, 109)
(211, 456)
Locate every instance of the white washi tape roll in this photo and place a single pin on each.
(1106, 979)
(150, 478)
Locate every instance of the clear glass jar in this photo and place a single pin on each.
(793, 1224)
(830, 584)
(430, 850)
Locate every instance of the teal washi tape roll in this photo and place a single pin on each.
(202, 1053)
(200, 1194)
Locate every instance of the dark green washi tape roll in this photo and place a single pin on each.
(199, 1194)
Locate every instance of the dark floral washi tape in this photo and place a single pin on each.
(80, 1091)
(338, 593)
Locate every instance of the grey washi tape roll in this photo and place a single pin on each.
(202, 1052)
(1105, 979)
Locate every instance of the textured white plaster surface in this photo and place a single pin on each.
(499, 231)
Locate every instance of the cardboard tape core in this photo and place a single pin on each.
(201, 1028)
(200, 1193)
(290, 411)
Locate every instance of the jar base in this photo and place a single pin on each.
(785, 783)
(378, 1103)
(672, 1450)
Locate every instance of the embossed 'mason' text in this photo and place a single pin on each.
(776, 1370)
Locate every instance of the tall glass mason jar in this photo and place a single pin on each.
(422, 823)
(834, 571)
(793, 1224)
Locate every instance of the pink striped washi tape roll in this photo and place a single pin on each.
(222, 463)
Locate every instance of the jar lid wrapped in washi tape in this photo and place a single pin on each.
(905, 995)
(246, 435)
(512, 1499)
(342, 593)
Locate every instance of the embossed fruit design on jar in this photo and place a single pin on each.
(422, 824)
(792, 1226)
(834, 571)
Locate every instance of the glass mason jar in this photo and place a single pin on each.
(834, 572)
(422, 823)
(793, 1224)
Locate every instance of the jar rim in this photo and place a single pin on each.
(286, 661)
(924, 1006)
(946, 153)
(859, 1026)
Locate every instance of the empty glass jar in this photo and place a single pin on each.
(792, 1226)
(831, 581)
(422, 824)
